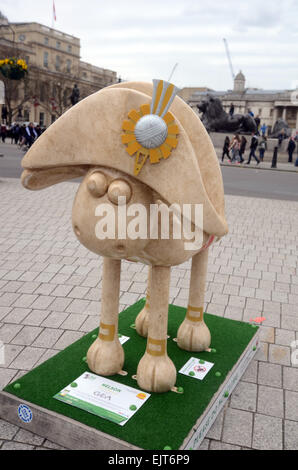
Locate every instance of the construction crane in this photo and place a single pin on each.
(229, 58)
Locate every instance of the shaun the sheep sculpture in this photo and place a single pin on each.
(131, 150)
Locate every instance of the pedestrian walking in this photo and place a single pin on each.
(281, 137)
(225, 150)
(3, 132)
(235, 147)
(38, 130)
(15, 133)
(253, 148)
(291, 149)
(296, 140)
(262, 148)
(242, 148)
(263, 130)
(30, 134)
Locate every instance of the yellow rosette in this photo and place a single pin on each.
(151, 131)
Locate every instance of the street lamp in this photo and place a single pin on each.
(13, 34)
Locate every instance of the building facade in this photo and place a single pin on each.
(55, 66)
(268, 105)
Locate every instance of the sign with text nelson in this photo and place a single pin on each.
(103, 397)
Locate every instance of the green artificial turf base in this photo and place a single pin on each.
(165, 419)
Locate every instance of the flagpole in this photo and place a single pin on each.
(53, 14)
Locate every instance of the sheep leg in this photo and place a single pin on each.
(193, 334)
(156, 372)
(143, 317)
(106, 356)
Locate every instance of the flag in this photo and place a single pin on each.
(54, 11)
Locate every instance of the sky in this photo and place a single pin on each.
(144, 39)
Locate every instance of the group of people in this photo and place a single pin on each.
(238, 145)
(20, 134)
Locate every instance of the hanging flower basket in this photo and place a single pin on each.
(12, 68)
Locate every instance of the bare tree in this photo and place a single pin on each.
(42, 88)
(53, 91)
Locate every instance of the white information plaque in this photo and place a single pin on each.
(196, 368)
(103, 397)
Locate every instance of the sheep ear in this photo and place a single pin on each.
(40, 179)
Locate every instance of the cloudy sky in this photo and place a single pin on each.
(144, 39)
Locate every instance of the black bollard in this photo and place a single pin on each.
(274, 158)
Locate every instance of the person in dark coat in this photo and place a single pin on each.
(253, 148)
(281, 137)
(38, 130)
(242, 148)
(30, 134)
(263, 147)
(291, 148)
(225, 150)
(3, 132)
(232, 110)
(16, 133)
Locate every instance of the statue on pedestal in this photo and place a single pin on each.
(141, 150)
(75, 95)
(215, 119)
(281, 127)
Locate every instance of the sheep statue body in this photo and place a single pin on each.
(139, 153)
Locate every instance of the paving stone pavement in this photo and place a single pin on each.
(50, 289)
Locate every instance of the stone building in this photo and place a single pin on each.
(55, 65)
(186, 92)
(269, 105)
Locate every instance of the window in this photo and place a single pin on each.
(66, 95)
(84, 74)
(58, 62)
(68, 66)
(46, 59)
(26, 115)
(69, 48)
(44, 91)
(53, 118)
(46, 41)
(41, 119)
(58, 45)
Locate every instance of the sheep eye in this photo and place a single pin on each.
(119, 188)
(97, 184)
